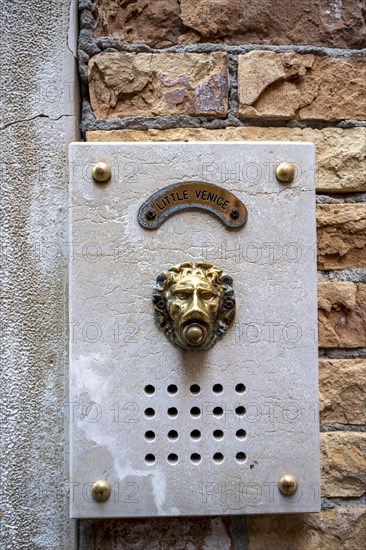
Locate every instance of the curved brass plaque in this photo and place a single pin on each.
(194, 304)
(192, 195)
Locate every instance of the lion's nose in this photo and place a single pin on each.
(196, 305)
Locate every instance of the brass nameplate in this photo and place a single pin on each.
(192, 195)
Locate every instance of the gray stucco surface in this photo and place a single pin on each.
(37, 123)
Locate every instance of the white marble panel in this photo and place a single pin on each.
(117, 348)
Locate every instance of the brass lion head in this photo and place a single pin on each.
(194, 304)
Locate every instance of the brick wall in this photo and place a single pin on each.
(170, 70)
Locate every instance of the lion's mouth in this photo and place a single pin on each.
(195, 332)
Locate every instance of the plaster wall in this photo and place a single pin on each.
(38, 120)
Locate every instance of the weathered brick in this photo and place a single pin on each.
(336, 529)
(341, 236)
(341, 314)
(162, 533)
(339, 152)
(126, 84)
(155, 23)
(343, 463)
(168, 22)
(342, 386)
(294, 86)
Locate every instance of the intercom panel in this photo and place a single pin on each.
(193, 329)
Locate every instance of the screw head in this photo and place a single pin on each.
(150, 214)
(287, 484)
(234, 214)
(101, 490)
(101, 172)
(285, 172)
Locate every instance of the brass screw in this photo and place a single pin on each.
(285, 172)
(150, 214)
(287, 485)
(101, 172)
(101, 490)
(234, 214)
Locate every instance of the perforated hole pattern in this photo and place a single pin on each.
(195, 434)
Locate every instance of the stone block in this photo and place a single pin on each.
(158, 24)
(339, 152)
(341, 314)
(342, 385)
(306, 87)
(126, 84)
(341, 236)
(276, 21)
(336, 529)
(168, 22)
(343, 464)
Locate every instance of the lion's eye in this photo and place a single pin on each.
(207, 295)
(182, 296)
